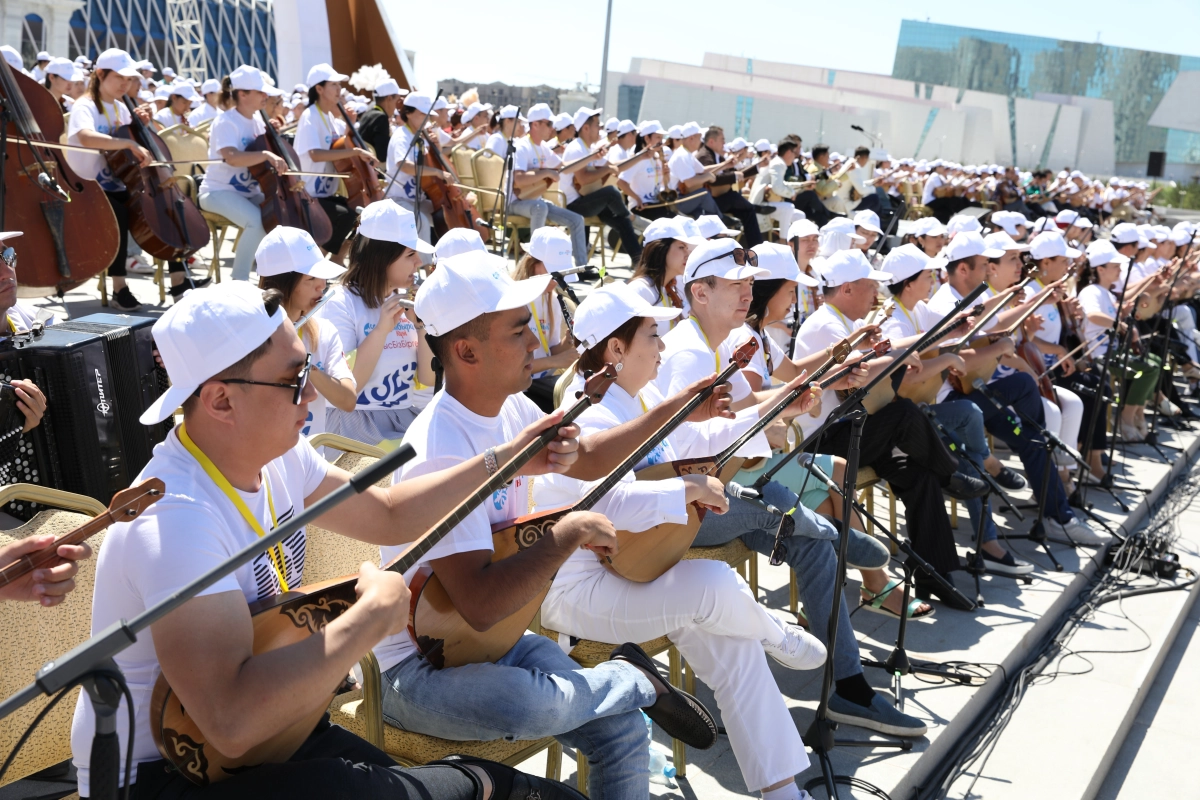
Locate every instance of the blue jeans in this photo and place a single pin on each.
(539, 210)
(534, 691)
(1020, 392)
(809, 551)
(964, 420)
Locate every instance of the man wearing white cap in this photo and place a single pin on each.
(644, 180)
(718, 288)
(770, 189)
(375, 124)
(477, 321)
(402, 159)
(967, 257)
(564, 132)
(851, 285)
(234, 466)
(940, 195)
(688, 176)
(211, 90)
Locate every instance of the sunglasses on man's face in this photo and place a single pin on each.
(297, 388)
(741, 257)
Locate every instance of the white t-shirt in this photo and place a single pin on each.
(1052, 324)
(390, 384)
(167, 118)
(400, 149)
(572, 153)
(546, 322)
(498, 144)
(203, 113)
(683, 166)
(317, 131)
(444, 434)
(480, 138)
(908, 322)
(942, 303)
(193, 528)
(21, 316)
(823, 328)
(650, 293)
(758, 364)
(86, 117)
(1095, 299)
(329, 358)
(934, 181)
(231, 129)
(645, 178)
(528, 156)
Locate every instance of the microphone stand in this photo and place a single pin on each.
(91, 663)
(417, 142)
(1168, 309)
(506, 174)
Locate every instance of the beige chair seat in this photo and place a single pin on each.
(735, 554)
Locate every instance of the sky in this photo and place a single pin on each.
(524, 45)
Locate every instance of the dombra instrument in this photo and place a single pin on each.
(126, 506)
(293, 616)
(924, 388)
(610, 177)
(538, 188)
(162, 219)
(450, 207)
(286, 201)
(883, 392)
(362, 187)
(50, 262)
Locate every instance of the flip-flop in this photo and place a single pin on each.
(874, 603)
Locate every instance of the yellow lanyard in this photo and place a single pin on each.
(275, 554)
(643, 402)
(916, 327)
(537, 326)
(325, 122)
(666, 303)
(716, 358)
(104, 110)
(842, 317)
(12, 326)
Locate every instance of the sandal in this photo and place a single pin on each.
(874, 603)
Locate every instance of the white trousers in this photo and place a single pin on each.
(785, 213)
(1065, 418)
(1185, 321)
(707, 610)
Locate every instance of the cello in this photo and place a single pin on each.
(162, 219)
(286, 201)
(51, 262)
(362, 187)
(450, 208)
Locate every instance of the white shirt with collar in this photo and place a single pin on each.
(824, 327)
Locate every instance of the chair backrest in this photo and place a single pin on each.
(487, 168)
(31, 635)
(185, 144)
(328, 555)
(461, 158)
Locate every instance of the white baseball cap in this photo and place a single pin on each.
(1066, 217)
(287, 249)
(715, 258)
(457, 241)
(711, 225)
(248, 77)
(65, 68)
(1010, 221)
(467, 286)
(146, 96)
(611, 125)
(610, 307)
(168, 72)
(689, 227)
(649, 127)
(831, 241)
(539, 112)
(801, 228)
(391, 222)
(689, 129)
(869, 220)
(780, 264)
(676, 132)
(163, 92)
(508, 112)
(1000, 240)
(1181, 236)
(562, 121)
(762, 146)
(963, 222)
(625, 127)
(967, 244)
(387, 88)
(552, 247)
(584, 114)
(905, 261)
(1049, 244)
(474, 110)
(1124, 233)
(928, 226)
(204, 333)
(42, 56)
(668, 228)
(420, 101)
(182, 89)
(438, 104)
(847, 266)
(1101, 252)
(324, 72)
(119, 61)
(209, 86)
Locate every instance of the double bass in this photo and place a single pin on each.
(162, 219)
(362, 187)
(51, 263)
(450, 207)
(286, 201)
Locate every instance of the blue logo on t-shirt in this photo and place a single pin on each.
(500, 498)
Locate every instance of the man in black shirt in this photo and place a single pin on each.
(731, 201)
(375, 125)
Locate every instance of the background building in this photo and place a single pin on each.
(501, 94)
(1021, 66)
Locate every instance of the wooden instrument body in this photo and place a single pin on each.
(286, 201)
(279, 621)
(447, 198)
(643, 557)
(924, 388)
(1033, 357)
(163, 220)
(362, 187)
(439, 630)
(609, 179)
(534, 190)
(983, 369)
(50, 262)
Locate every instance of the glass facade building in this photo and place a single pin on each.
(1019, 65)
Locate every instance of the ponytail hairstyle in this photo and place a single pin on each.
(228, 96)
(93, 88)
(763, 292)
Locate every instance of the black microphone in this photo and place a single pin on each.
(50, 185)
(858, 128)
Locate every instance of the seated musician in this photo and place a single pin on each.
(967, 258)
(320, 126)
(656, 275)
(235, 465)
(477, 320)
(210, 90)
(725, 185)
(498, 141)
(179, 103)
(62, 78)
(564, 132)
(929, 234)
(689, 177)
(705, 608)
(644, 181)
(476, 122)
(228, 189)
(718, 290)
(402, 160)
(375, 126)
(606, 202)
(929, 469)
(770, 188)
(939, 194)
(548, 250)
(855, 180)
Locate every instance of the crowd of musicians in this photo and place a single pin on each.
(755, 265)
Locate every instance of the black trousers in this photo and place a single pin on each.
(946, 207)
(733, 204)
(334, 764)
(118, 201)
(810, 203)
(916, 475)
(343, 219)
(608, 204)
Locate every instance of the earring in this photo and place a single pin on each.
(620, 366)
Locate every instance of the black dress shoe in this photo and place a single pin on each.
(766, 211)
(1010, 479)
(964, 487)
(929, 589)
(680, 715)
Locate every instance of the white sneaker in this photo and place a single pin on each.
(138, 266)
(798, 650)
(1074, 532)
(1167, 408)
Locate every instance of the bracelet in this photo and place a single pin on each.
(489, 461)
